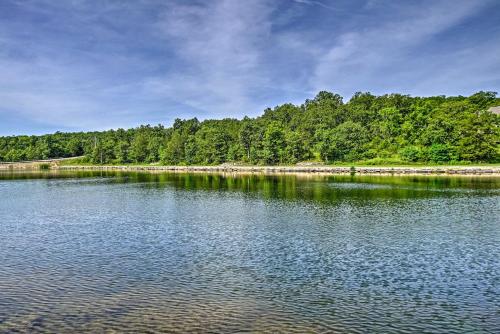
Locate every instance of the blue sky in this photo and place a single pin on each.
(92, 65)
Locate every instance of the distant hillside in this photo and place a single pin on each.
(387, 128)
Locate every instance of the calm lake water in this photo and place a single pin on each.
(132, 252)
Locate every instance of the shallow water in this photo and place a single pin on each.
(138, 252)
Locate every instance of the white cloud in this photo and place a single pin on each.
(220, 45)
(215, 71)
(86, 66)
(464, 72)
(357, 59)
(62, 92)
(314, 3)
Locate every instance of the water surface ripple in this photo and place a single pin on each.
(132, 252)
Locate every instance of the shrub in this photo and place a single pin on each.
(382, 161)
(411, 154)
(442, 153)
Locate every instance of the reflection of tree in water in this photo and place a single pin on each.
(319, 188)
(322, 188)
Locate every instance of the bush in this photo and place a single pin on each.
(383, 161)
(411, 154)
(442, 153)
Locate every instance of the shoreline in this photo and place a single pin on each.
(324, 170)
(238, 169)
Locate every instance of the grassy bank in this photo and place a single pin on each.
(373, 170)
(363, 163)
(311, 167)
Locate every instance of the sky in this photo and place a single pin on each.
(78, 65)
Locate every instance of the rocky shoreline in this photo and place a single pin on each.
(228, 168)
(434, 170)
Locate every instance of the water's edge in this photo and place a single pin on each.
(490, 171)
(311, 169)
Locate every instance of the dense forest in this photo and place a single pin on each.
(373, 129)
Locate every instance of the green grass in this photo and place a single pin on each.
(376, 162)
(386, 163)
(416, 165)
(85, 162)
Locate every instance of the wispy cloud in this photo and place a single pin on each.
(73, 70)
(221, 46)
(314, 3)
(92, 65)
(358, 59)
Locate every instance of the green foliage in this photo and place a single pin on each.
(274, 144)
(372, 129)
(411, 154)
(382, 161)
(295, 147)
(442, 153)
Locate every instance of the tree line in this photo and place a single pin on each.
(387, 128)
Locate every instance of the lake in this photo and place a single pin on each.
(139, 252)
